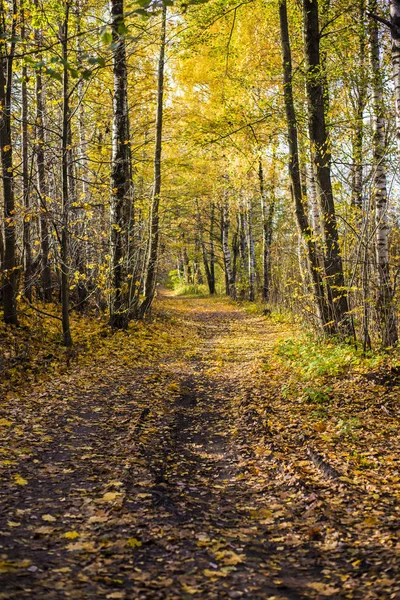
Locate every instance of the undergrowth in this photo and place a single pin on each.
(314, 359)
(183, 289)
(33, 351)
(274, 314)
(334, 382)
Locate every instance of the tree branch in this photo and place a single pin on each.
(381, 20)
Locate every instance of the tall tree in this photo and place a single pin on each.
(7, 51)
(321, 154)
(152, 260)
(229, 273)
(395, 31)
(267, 212)
(294, 168)
(120, 165)
(385, 307)
(359, 101)
(42, 185)
(65, 162)
(25, 170)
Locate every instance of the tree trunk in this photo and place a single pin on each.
(9, 273)
(42, 182)
(67, 339)
(235, 253)
(294, 170)
(212, 249)
(87, 254)
(187, 271)
(360, 102)
(321, 156)
(204, 252)
(251, 255)
(151, 271)
(229, 279)
(25, 174)
(385, 307)
(267, 217)
(120, 166)
(395, 31)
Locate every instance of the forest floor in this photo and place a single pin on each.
(183, 459)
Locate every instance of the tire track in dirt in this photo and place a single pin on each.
(159, 484)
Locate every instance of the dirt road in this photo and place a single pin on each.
(163, 479)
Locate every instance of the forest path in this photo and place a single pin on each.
(161, 479)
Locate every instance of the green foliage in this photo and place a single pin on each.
(274, 314)
(313, 359)
(254, 308)
(175, 282)
(172, 279)
(318, 395)
(348, 427)
(186, 289)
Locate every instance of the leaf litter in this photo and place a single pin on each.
(174, 463)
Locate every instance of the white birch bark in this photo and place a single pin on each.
(395, 21)
(251, 254)
(385, 293)
(226, 250)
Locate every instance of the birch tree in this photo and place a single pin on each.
(294, 168)
(385, 307)
(120, 166)
(152, 260)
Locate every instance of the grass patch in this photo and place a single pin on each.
(315, 359)
(191, 290)
(273, 314)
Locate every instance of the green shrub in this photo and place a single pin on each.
(313, 359)
(190, 290)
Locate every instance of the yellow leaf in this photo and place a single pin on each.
(134, 543)
(44, 530)
(98, 519)
(109, 496)
(323, 589)
(71, 535)
(189, 589)
(49, 518)
(211, 574)
(86, 546)
(371, 521)
(261, 513)
(13, 524)
(5, 423)
(7, 566)
(229, 558)
(20, 480)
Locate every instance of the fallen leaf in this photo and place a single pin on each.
(71, 535)
(83, 546)
(45, 530)
(20, 480)
(211, 574)
(323, 589)
(189, 589)
(133, 543)
(109, 496)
